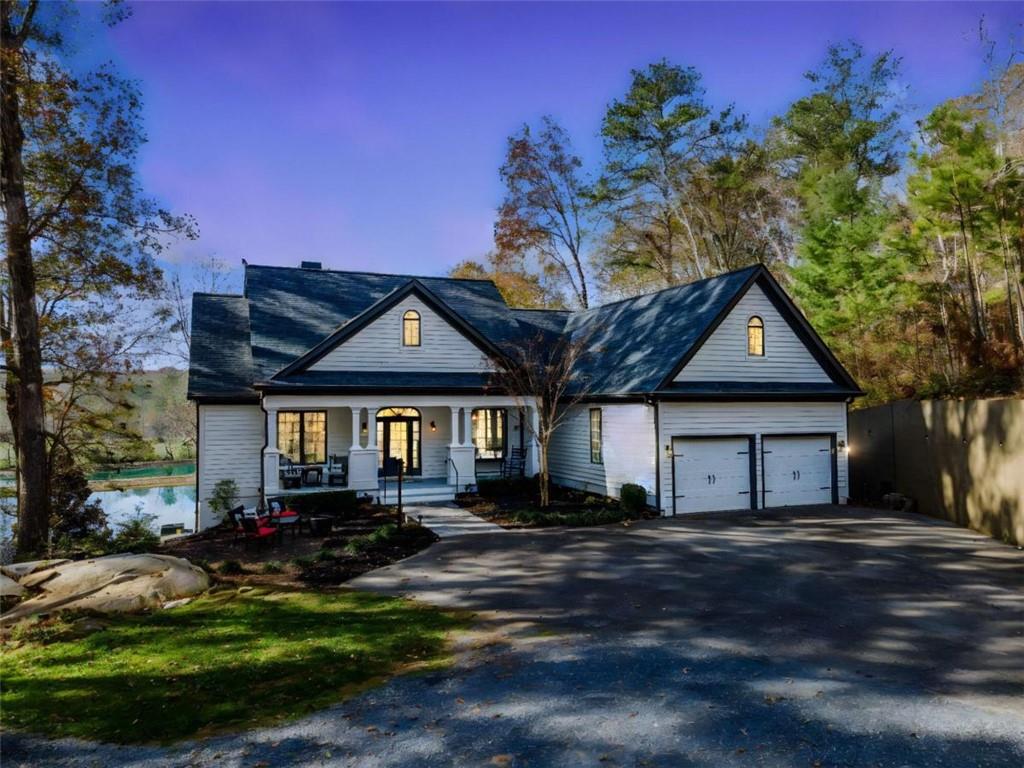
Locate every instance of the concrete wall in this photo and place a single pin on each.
(962, 461)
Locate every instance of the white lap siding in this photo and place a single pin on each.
(627, 450)
(230, 441)
(689, 419)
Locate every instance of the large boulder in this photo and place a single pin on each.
(112, 584)
(18, 571)
(9, 587)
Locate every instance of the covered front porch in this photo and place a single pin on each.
(443, 442)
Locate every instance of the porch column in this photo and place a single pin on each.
(362, 462)
(271, 456)
(467, 426)
(462, 461)
(530, 440)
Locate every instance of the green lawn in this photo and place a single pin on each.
(227, 660)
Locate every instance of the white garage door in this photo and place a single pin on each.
(711, 474)
(797, 470)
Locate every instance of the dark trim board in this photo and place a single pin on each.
(832, 436)
(751, 453)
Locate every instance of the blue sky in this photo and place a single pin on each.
(368, 136)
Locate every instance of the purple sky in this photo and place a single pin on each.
(368, 136)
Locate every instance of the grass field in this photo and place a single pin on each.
(228, 660)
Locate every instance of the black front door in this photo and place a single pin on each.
(399, 438)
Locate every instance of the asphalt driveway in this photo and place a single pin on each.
(820, 637)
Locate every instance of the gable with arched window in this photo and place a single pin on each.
(411, 328)
(755, 337)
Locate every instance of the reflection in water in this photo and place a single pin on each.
(167, 504)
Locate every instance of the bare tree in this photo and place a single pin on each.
(207, 275)
(545, 372)
(546, 211)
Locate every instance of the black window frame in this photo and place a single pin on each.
(600, 436)
(760, 326)
(504, 421)
(412, 316)
(302, 435)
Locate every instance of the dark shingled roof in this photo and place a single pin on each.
(380, 380)
(220, 359)
(633, 346)
(292, 310)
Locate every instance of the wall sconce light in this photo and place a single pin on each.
(842, 444)
(433, 427)
(668, 451)
(363, 428)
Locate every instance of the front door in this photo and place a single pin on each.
(399, 438)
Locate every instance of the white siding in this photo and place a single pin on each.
(723, 356)
(749, 418)
(230, 441)
(627, 447)
(339, 431)
(378, 346)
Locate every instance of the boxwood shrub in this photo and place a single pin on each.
(633, 498)
(494, 487)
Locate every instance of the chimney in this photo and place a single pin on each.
(311, 265)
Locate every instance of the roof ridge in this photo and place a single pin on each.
(675, 287)
(376, 274)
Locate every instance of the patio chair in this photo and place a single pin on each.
(257, 530)
(337, 470)
(290, 475)
(283, 517)
(235, 517)
(514, 464)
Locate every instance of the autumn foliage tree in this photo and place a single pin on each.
(79, 242)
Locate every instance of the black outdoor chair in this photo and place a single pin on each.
(514, 464)
(290, 475)
(337, 470)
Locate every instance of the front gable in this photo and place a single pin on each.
(378, 346)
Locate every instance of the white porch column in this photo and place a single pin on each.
(530, 439)
(362, 462)
(271, 456)
(467, 426)
(462, 457)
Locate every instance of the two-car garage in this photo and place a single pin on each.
(722, 472)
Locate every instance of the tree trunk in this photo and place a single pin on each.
(24, 355)
(545, 480)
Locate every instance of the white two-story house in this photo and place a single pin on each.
(715, 395)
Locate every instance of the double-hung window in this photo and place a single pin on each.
(596, 456)
(302, 436)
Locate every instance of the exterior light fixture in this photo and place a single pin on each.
(363, 428)
(433, 427)
(668, 451)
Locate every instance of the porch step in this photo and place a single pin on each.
(411, 494)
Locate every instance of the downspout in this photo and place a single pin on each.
(261, 499)
(657, 452)
(195, 527)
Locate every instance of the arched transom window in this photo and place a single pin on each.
(755, 337)
(411, 329)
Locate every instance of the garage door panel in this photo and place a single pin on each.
(796, 470)
(711, 474)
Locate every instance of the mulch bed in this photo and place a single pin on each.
(503, 509)
(302, 559)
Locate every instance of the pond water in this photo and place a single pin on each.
(169, 504)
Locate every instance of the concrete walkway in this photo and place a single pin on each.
(448, 520)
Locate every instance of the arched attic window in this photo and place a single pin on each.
(755, 337)
(411, 328)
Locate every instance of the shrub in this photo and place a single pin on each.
(323, 555)
(231, 568)
(543, 518)
(499, 486)
(225, 496)
(304, 561)
(273, 566)
(359, 544)
(136, 534)
(328, 504)
(633, 498)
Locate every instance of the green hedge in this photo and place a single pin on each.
(633, 498)
(327, 504)
(541, 518)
